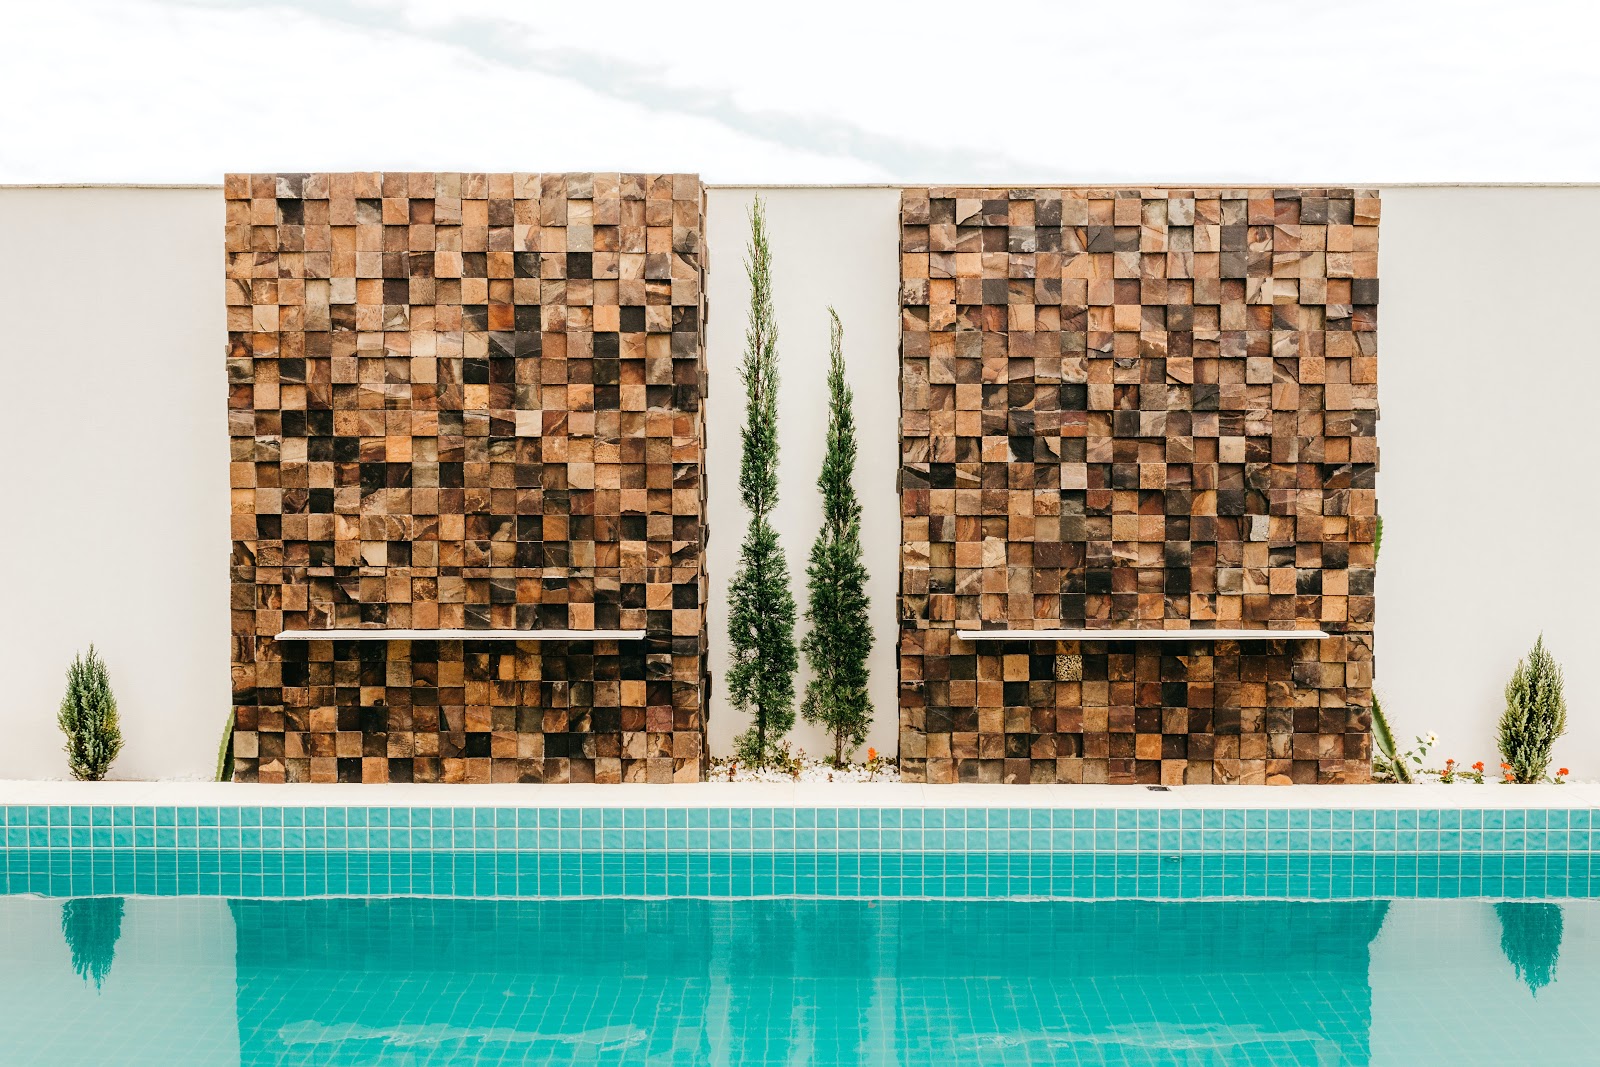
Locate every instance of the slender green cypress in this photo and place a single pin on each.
(761, 608)
(840, 638)
(88, 717)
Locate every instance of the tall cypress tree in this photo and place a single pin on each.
(761, 608)
(840, 637)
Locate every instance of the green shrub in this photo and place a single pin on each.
(89, 718)
(760, 607)
(1535, 715)
(841, 634)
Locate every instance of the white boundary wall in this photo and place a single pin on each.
(113, 427)
(114, 470)
(1489, 449)
(829, 246)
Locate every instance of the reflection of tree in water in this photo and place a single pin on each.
(1530, 936)
(91, 926)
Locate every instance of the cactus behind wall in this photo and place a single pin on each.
(89, 718)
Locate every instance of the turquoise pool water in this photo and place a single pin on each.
(380, 982)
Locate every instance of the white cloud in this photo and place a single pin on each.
(827, 90)
(139, 91)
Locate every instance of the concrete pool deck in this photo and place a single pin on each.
(798, 795)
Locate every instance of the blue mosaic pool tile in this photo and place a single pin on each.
(808, 851)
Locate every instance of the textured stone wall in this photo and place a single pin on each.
(467, 401)
(1138, 408)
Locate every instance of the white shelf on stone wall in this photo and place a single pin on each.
(375, 634)
(1143, 635)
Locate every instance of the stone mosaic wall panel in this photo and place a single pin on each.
(467, 401)
(1138, 408)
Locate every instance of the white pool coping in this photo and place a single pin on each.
(799, 795)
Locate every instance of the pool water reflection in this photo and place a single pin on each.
(422, 982)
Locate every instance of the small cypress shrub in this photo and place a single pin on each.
(89, 718)
(1535, 715)
(841, 636)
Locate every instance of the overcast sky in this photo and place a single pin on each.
(808, 91)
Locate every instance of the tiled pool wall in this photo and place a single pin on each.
(1100, 853)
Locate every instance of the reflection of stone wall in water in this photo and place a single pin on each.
(325, 980)
(747, 981)
(1125, 980)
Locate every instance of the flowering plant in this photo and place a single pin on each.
(875, 763)
(1454, 770)
(1451, 771)
(1416, 756)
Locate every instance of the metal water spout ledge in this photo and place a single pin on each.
(1190, 634)
(376, 634)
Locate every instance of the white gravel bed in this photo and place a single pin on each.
(807, 770)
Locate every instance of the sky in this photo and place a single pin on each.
(1012, 91)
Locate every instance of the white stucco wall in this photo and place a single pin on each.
(1489, 458)
(113, 429)
(829, 246)
(114, 477)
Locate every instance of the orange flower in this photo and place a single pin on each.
(1505, 766)
(872, 754)
(1562, 771)
(1478, 766)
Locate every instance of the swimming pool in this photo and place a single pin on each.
(1168, 933)
(413, 982)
